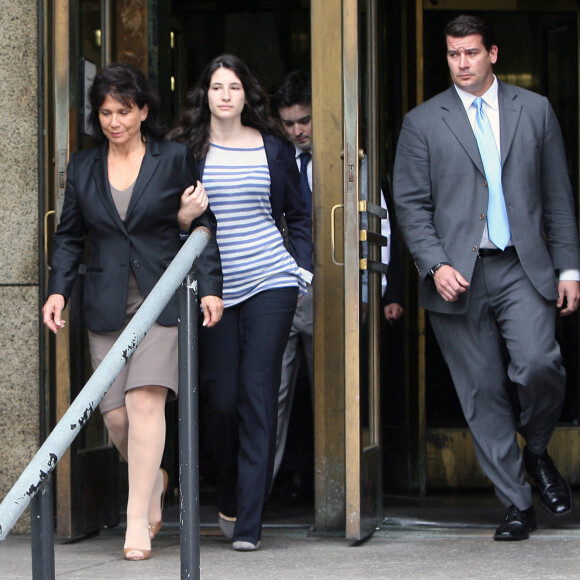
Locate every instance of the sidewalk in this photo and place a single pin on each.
(434, 538)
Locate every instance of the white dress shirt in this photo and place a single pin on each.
(309, 167)
(491, 107)
(305, 273)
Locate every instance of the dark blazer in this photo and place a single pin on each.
(286, 199)
(441, 193)
(147, 241)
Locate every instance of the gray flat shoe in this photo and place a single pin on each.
(241, 546)
(226, 526)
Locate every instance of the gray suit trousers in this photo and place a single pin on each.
(504, 309)
(300, 344)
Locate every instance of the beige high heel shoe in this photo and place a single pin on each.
(154, 528)
(136, 554)
(139, 531)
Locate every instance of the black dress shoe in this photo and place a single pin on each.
(517, 525)
(555, 493)
(298, 486)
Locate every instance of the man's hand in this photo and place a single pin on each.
(393, 311)
(568, 294)
(450, 283)
(213, 308)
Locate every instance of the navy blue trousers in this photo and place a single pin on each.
(240, 362)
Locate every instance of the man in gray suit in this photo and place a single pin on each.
(485, 206)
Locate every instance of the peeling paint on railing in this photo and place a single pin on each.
(90, 396)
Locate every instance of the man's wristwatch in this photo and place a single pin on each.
(436, 267)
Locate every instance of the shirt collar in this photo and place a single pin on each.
(490, 96)
(300, 151)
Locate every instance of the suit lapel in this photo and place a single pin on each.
(455, 117)
(101, 177)
(509, 115)
(148, 167)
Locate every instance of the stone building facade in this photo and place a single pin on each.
(19, 241)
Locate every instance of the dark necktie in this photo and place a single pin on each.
(305, 158)
(498, 226)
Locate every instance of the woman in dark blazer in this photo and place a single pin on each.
(252, 181)
(127, 200)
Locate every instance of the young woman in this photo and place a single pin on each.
(252, 181)
(125, 199)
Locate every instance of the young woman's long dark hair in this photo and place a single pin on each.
(194, 124)
(128, 85)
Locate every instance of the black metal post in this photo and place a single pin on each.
(188, 428)
(42, 532)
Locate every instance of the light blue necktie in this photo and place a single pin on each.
(497, 220)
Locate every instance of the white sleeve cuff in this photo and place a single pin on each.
(306, 275)
(569, 275)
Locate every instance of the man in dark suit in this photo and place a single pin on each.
(486, 208)
(294, 104)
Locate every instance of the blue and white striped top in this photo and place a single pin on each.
(237, 182)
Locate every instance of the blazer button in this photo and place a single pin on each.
(136, 264)
(484, 183)
(475, 248)
(481, 216)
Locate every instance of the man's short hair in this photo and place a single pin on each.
(467, 24)
(295, 90)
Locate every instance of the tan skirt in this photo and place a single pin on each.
(154, 361)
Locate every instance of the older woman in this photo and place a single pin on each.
(252, 181)
(127, 200)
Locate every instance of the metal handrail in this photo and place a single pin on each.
(43, 463)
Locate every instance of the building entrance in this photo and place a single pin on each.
(370, 62)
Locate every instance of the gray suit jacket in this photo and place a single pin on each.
(441, 193)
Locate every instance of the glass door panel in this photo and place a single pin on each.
(86, 477)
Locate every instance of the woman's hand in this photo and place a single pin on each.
(194, 202)
(51, 312)
(213, 308)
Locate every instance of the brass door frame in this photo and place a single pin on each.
(363, 449)
(60, 145)
(81, 462)
(352, 334)
(353, 444)
(329, 380)
(341, 495)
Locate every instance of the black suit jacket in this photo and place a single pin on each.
(286, 199)
(147, 241)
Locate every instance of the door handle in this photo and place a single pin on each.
(333, 232)
(46, 216)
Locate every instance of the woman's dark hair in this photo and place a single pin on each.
(468, 24)
(128, 85)
(194, 124)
